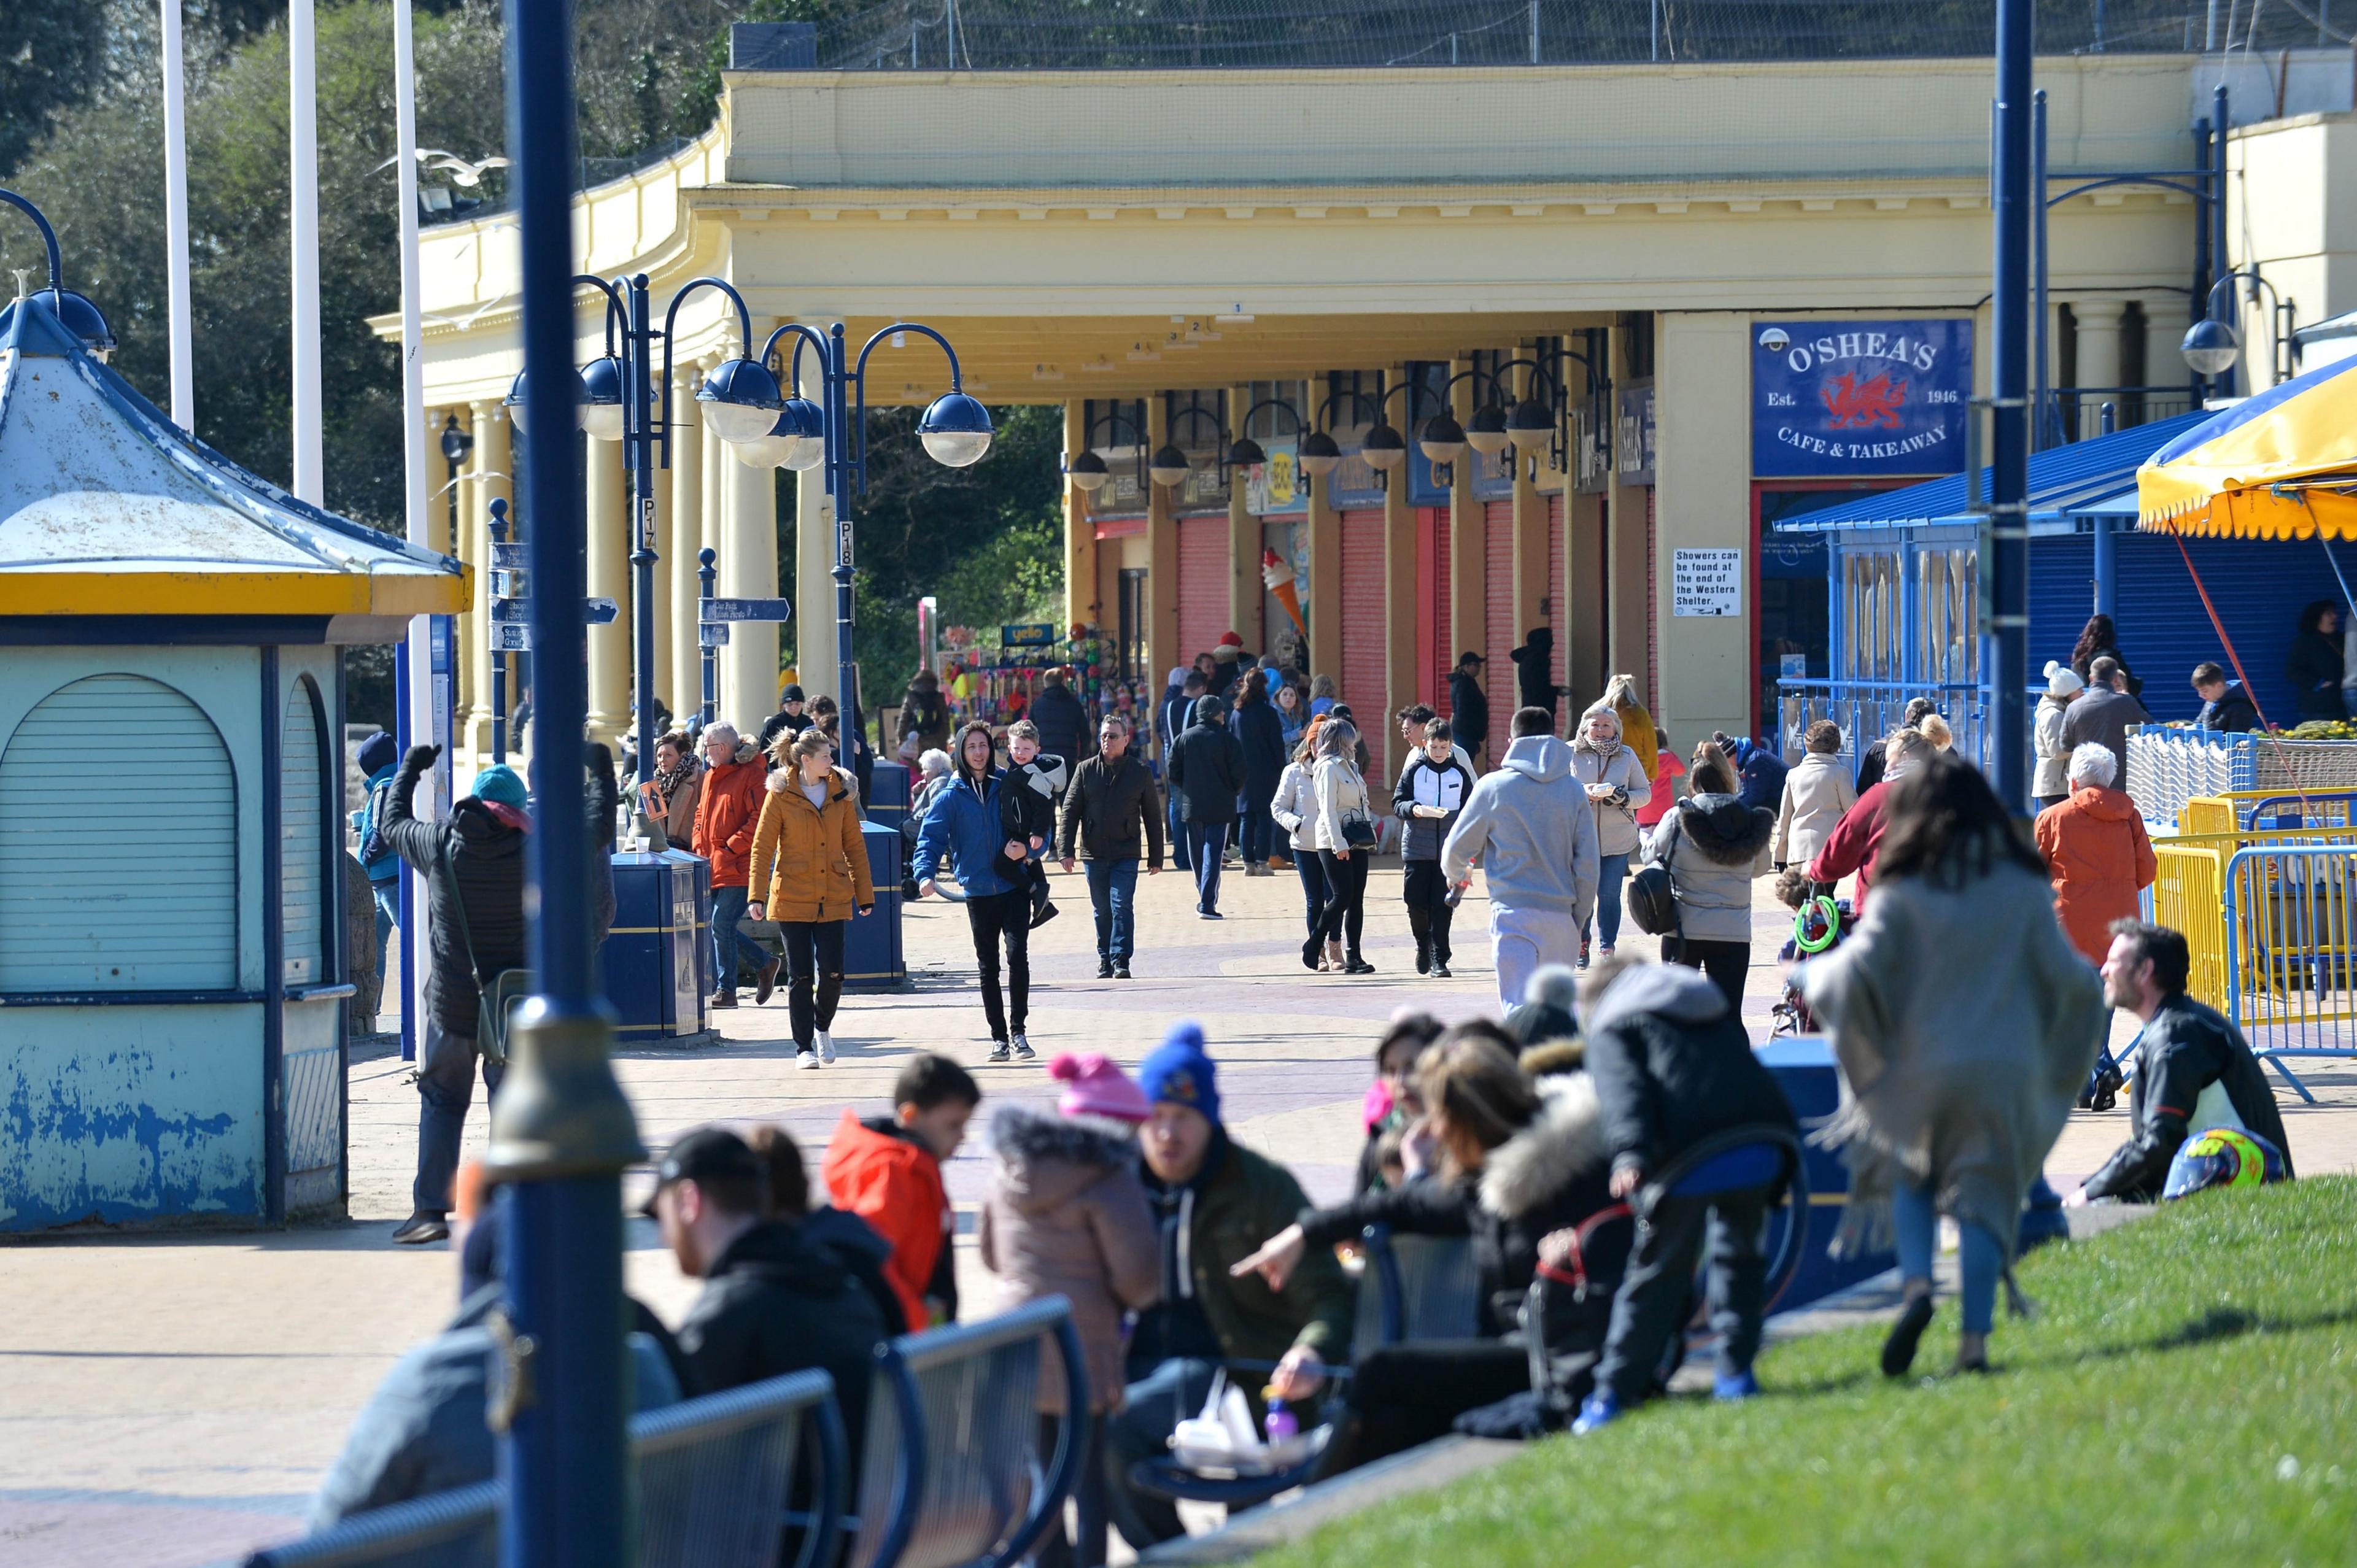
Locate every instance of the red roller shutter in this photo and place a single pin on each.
(1558, 592)
(1444, 633)
(1498, 621)
(1652, 611)
(1202, 584)
(1364, 682)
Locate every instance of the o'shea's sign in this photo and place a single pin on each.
(1847, 399)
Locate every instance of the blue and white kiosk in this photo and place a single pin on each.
(171, 793)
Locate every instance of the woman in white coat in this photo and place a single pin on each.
(1817, 791)
(1617, 789)
(1294, 808)
(2051, 786)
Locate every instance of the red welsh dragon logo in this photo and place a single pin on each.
(1857, 405)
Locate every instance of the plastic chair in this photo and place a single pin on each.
(953, 1440)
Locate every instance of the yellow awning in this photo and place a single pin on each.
(2281, 465)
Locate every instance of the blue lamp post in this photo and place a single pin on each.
(617, 402)
(955, 430)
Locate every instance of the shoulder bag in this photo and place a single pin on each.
(1358, 827)
(1653, 897)
(505, 990)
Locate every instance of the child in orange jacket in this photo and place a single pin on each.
(887, 1170)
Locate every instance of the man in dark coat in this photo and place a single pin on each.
(1109, 808)
(1206, 771)
(2103, 713)
(1469, 705)
(1673, 1067)
(1171, 717)
(2193, 1067)
(1534, 671)
(1062, 722)
(776, 1299)
(1261, 731)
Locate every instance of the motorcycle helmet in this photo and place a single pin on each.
(2222, 1156)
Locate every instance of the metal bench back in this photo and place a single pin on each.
(714, 1473)
(953, 1474)
(1417, 1287)
(457, 1528)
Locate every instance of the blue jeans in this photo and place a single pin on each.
(1207, 846)
(1259, 830)
(1141, 1430)
(1177, 825)
(387, 894)
(1611, 870)
(1112, 890)
(1313, 884)
(1917, 1223)
(728, 942)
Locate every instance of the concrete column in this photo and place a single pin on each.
(1161, 559)
(2099, 357)
(714, 510)
(1244, 590)
(1702, 462)
(684, 678)
(1531, 587)
(1404, 588)
(814, 587)
(748, 569)
(1325, 609)
(609, 577)
(2166, 318)
(666, 551)
(490, 470)
(1630, 653)
(1084, 601)
(1468, 548)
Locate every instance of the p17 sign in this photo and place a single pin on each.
(1842, 399)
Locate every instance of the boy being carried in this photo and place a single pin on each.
(1027, 811)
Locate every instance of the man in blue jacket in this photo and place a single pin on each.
(963, 823)
(379, 758)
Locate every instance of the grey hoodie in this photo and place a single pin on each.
(1531, 824)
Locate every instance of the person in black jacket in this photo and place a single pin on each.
(1188, 687)
(1062, 721)
(1261, 731)
(1520, 1163)
(2225, 706)
(472, 863)
(2314, 664)
(1108, 807)
(1534, 671)
(2194, 1070)
(776, 1300)
(1469, 705)
(1206, 771)
(1673, 1067)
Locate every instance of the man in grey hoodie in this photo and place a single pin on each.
(1531, 825)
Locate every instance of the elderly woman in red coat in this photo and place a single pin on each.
(2096, 850)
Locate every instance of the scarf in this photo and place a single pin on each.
(667, 780)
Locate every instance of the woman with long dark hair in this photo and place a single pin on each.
(963, 823)
(2099, 639)
(1963, 1023)
(1261, 731)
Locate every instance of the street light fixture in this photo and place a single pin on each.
(1087, 473)
(1090, 472)
(1486, 431)
(1169, 467)
(2210, 348)
(74, 312)
(955, 430)
(2213, 345)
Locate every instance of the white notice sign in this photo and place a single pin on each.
(1707, 582)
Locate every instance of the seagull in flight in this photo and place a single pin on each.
(462, 173)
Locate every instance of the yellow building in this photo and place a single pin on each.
(1157, 252)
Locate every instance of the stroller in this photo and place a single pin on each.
(1820, 926)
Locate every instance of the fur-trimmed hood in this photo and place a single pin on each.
(1723, 829)
(1046, 1159)
(781, 780)
(1566, 1143)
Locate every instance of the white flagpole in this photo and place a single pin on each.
(303, 185)
(176, 221)
(425, 698)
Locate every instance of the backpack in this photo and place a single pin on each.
(1652, 899)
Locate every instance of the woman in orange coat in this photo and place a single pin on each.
(810, 874)
(2096, 852)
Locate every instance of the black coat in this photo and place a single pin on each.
(2233, 714)
(1534, 671)
(2187, 1048)
(1674, 1066)
(1469, 713)
(778, 1301)
(2314, 669)
(1206, 768)
(1108, 810)
(1261, 733)
(1062, 722)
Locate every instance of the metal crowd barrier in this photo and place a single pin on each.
(2291, 975)
(2167, 766)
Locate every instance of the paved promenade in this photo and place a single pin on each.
(172, 1399)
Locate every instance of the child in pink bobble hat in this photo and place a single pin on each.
(1066, 1215)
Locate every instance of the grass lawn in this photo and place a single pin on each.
(2186, 1394)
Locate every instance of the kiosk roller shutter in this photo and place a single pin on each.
(1365, 680)
(1499, 637)
(1202, 584)
(146, 899)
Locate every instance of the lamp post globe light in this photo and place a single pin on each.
(616, 401)
(1087, 468)
(2210, 348)
(803, 434)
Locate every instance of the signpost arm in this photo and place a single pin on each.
(705, 573)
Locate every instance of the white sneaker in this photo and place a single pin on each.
(1023, 1051)
(806, 1059)
(825, 1043)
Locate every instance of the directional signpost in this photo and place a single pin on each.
(715, 617)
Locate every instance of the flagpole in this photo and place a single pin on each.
(303, 204)
(176, 221)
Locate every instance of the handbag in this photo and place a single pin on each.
(507, 989)
(1652, 899)
(1358, 827)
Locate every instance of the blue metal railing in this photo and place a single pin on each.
(1869, 710)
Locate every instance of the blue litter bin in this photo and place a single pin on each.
(1803, 1066)
(871, 947)
(887, 795)
(653, 964)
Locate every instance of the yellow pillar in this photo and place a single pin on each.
(666, 563)
(1404, 588)
(1082, 601)
(472, 737)
(1532, 586)
(1244, 590)
(815, 631)
(715, 508)
(1161, 557)
(1325, 609)
(609, 578)
(491, 482)
(681, 678)
(748, 569)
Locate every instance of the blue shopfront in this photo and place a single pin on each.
(1901, 585)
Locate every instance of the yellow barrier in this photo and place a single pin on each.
(2189, 894)
(2208, 814)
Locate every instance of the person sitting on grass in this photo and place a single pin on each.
(1673, 1069)
(2194, 1070)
